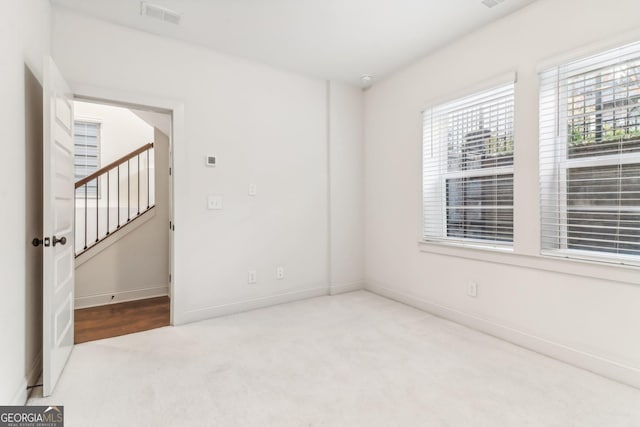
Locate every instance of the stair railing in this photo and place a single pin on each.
(97, 191)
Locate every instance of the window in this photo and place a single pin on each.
(468, 169)
(86, 139)
(590, 157)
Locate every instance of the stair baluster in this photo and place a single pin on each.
(97, 177)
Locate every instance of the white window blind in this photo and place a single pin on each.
(590, 157)
(468, 169)
(86, 140)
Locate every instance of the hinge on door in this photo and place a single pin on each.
(169, 171)
(169, 277)
(169, 225)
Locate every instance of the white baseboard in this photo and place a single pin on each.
(247, 305)
(136, 294)
(599, 365)
(349, 287)
(35, 372)
(21, 394)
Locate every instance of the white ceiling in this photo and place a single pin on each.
(328, 39)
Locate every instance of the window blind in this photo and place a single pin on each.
(590, 157)
(468, 168)
(86, 136)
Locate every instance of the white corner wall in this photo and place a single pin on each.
(24, 40)
(265, 126)
(346, 160)
(551, 307)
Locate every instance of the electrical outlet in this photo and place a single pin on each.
(472, 289)
(214, 202)
(253, 277)
(253, 189)
(280, 273)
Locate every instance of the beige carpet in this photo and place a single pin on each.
(350, 360)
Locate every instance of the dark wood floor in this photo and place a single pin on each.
(112, 320)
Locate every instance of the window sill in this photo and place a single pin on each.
(472, 245)
(506, 256)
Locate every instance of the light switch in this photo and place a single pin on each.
(252, 189)
(214, 202)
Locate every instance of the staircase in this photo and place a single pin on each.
(114, 196)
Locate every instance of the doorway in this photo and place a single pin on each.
(122, 214)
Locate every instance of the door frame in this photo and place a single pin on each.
(177, 138)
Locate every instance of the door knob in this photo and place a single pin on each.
(61, 240)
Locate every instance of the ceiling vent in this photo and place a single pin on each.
(491, 3)
(159, 12)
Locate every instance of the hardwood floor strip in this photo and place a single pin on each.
(113, 320)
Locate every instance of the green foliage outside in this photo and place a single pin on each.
(577, 136)
(499, 146)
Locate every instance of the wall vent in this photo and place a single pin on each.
(159, 12)
(491, 3)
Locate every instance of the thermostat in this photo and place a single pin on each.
(211, 161)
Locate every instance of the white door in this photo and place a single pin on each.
(58, 267)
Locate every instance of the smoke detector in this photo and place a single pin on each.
(160, 13)
(366, 80)
(491, 3)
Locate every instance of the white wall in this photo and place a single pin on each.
(161, 121)
(549, 306)
(265, 126)
(136, 265)
(24, 40)
(346, 153)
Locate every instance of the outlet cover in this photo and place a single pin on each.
(472, 289)
(252, 277)
(214, 202)
(280, 273)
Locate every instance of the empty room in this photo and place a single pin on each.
(320, 213)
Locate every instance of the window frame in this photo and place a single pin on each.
(497, 172)
(595, 161)
(473, 173)
(563, 71)
(98, 123)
